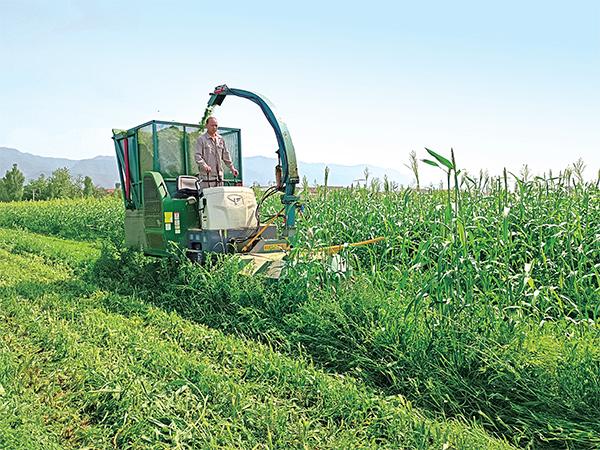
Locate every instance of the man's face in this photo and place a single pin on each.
(211, 126)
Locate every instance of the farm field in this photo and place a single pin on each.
(473, 325)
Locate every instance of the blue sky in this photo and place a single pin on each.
(504, 83)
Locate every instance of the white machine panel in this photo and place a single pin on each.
(228, 207)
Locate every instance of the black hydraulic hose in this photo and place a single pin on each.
(268, 193)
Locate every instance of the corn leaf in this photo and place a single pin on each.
(440, 159)
(431, 163)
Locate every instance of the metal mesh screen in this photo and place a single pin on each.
(170, 150)
(232, 142)
(175, 142)
(146, 148)
(191, 135)
(152, 204)
(155, 240)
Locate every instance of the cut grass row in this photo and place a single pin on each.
(76, 254)
(535, 383)
(84, 219)
(85, 367)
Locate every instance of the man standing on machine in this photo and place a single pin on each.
(211, 153)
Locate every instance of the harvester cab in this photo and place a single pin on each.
(166, 203)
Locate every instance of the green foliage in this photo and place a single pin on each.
(89, 190)
(481, 304)
(62, 185)
(11, 185)
(85, 219)
(37, 189)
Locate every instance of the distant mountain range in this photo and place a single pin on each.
(102, 169)
(259, 169)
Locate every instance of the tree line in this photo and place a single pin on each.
(61, 184)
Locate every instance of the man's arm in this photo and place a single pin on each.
(226, 156)
(199, 156)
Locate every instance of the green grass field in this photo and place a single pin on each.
(473, 325)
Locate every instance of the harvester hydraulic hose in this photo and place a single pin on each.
(336, 248)
(261, 231)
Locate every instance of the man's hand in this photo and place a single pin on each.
(206, 168)
(235, 172)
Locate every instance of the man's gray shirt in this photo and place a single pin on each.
(210, 152)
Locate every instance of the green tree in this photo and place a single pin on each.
(62, 185)
(118, 191)
(37, 189)
(89, 190)
(3, 194)
(12, 185)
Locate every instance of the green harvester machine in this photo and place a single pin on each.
(165, 203)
